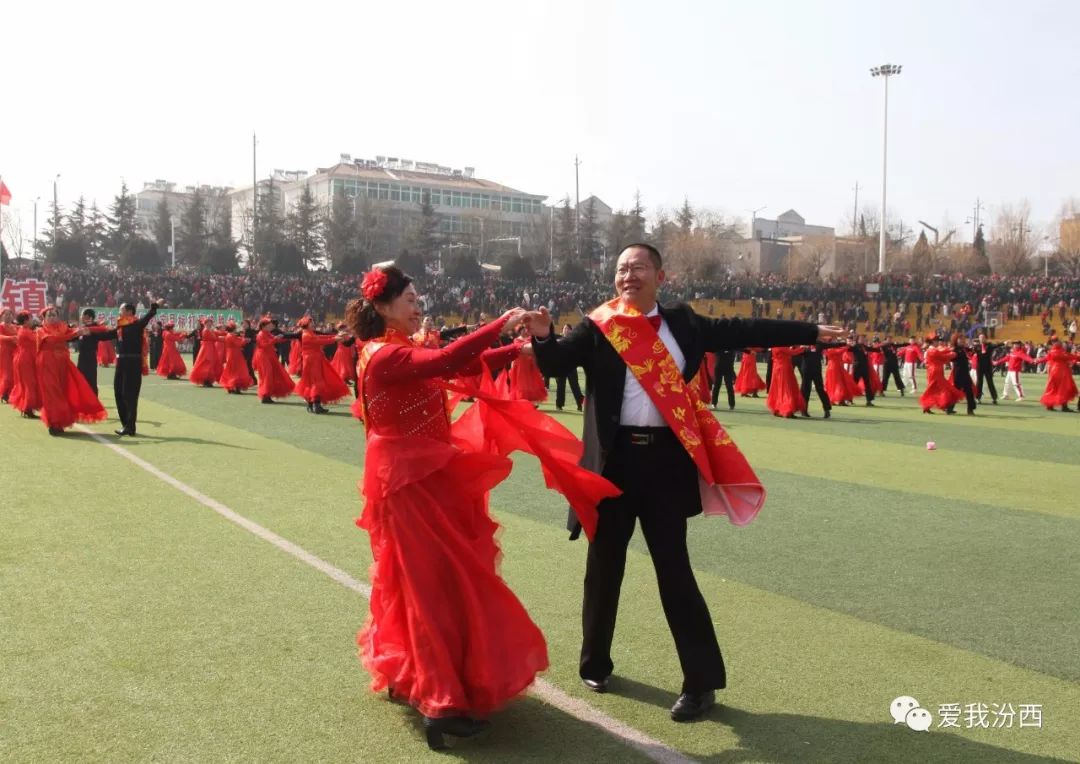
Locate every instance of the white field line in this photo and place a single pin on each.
(547, 692)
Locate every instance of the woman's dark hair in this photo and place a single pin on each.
(364, 322)
(22, 317)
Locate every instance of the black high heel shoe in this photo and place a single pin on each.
(458, 726)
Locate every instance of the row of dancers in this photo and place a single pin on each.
(855, 369)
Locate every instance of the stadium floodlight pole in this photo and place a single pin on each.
(38, 199)
(56, 210)
(886, 71)
(172, 239)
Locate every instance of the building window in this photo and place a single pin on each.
(395, 192)
(517, 204)
(384, 191)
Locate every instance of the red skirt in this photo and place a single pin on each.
(206, 365)
(785, 397)
(526, 381)
(296, 358)
(26, 393)
(274, 380)
(235, 375)
(344, 362)
(171, 363)
(940, 393)
(444, 631)
(749, 381)
(7, 368)
(66, 397)
(106, 353)
(875, 382)
(1060, 386)
(839, 384)
(319, 380)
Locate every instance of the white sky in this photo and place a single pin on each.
(736, 105)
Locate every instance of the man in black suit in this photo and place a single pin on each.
(860, 368)
(984, 368)
(628, 442)
(128, 379)
(810, 369)
(88, 346)
(892, 367)
(724, 374)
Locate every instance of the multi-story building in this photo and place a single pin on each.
(791, 223)
(177, 199)
(491, 218)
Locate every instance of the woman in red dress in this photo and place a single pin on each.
(1060, 385)
(66, 397)
(445, 632)
(207, 368)
(26, 393)
(171, 365)
(8, 343)
(785, 398)
(106, 354)
(749, 382)
(839, 384)
(274, 379)
(319, 383)
(235, 377)
(344, 360)
(526, 381)
(940, 392)
(296, 358)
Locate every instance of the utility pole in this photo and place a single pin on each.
(886, 71)
(56, 210)
(577, 210)
(855, 214)
(172, 239)
(254, 203)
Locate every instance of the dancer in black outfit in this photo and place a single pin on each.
(724, 374)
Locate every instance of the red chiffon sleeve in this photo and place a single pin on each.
(398, 363)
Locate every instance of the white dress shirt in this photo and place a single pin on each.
(637, 408)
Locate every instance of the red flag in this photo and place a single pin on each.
(5, 193)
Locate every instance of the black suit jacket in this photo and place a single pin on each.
(605, 372)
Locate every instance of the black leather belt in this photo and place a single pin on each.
(644, 436)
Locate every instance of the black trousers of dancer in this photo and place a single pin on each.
(811, 378)
(985, 375)
(863, 373)
(963, 384)
(127, 382)
(575, 390)
(724, 374)
(638, 455)
(891, 371)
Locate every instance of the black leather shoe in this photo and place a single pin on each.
(121, 433)
(596, 685)
(691, 705)
(458, 726)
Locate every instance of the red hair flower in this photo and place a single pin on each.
(373, 284)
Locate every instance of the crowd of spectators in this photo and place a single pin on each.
(942, 303)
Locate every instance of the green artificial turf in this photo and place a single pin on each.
(136, 624)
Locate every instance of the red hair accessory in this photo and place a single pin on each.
(373, 284)
(304, 322)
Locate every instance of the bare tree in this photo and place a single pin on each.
(1013, 241)
(13, 233)
(1067, 257)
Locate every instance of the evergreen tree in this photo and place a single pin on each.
(922, 258)
(635, 229)
(980, 260)
(140, 254)
(122, 221)
(619, 234)
(54, 225)
(67, 251)
(221, 233)
(283, 257)
(97, 234)
(77, 221)
(685, 217)
(424, 236)
(191, 238)
(564, 234)
(590, 247)
(270, 228)
(163, 231)
(304, 228)
(371, 241)
(339, 234)
(221, 258)
(661, 231)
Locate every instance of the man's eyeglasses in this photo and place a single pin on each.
(637, 270)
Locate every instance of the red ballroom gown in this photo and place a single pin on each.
(26, 393)
(66, 396)
(235, 375)
(207, 367)
(445, 632)
(8, 344)
(344, 361)
(106, 353)
(840, 386)
(171, 362)
(748, 381)
(785, 398)
(940, 392)
(296, 358)
(526, 381)
(1060, 385)
(274, 379)
(318, 380)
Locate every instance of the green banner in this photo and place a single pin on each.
(185, 320)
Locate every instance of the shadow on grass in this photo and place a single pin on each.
(127, 441)
(797, 738)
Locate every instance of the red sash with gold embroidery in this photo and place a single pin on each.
(727, 482)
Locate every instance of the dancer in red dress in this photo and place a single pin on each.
(839, 384)
(296, 358)
(344, 360)
(235, 377)
(171, 365)
(26, 393)
(8, 343)
(526, 381)
(785, 398)
(274, 379)
(207, 368)
(940, 392)
(749, 382)
(319, 383)
(445, 632)
(66, 397)
(1060, 385)
(106, 354)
